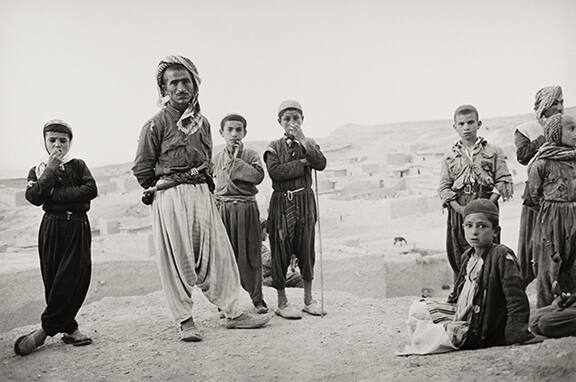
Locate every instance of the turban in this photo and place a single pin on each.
(545, 98)
(58, 126)
(290, 104)
(233, 117)
(483, 206)
(191, 119)
(553, 129)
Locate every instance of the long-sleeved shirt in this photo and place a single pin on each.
(163, 149)
(70, 188)
(501, 308)
(552, 180)
(485, 166)
(525, 148)
(286, 168)
(237, 176)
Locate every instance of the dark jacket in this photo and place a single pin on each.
(163, 149)
(68, 189)
(501, 309)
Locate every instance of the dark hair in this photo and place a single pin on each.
(234, 117)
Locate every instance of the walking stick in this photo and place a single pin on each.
(319, 243)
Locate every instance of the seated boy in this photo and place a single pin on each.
(488, 306)
(472, 169)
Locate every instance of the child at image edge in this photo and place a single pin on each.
(64, 187)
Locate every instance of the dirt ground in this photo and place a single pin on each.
(134, 340)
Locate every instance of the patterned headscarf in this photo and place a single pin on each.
(553, 129)
(545, 98)
(191, 120)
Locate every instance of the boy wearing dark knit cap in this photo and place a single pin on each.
(488, 306)
(471, 169)
(292, 213)
(237, 171)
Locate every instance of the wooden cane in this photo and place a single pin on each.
(319, 244)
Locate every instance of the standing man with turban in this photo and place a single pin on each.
(528, 138)
(174, 153)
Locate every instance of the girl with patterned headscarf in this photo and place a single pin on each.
(552, 190)
(528, 138)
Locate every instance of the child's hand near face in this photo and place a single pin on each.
(296, 131)
(55, 158)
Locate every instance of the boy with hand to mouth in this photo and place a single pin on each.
(238, 170)
(292, 213)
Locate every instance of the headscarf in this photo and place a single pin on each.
(552, 149)
(59, 126)
(191, 120)
(553, 129)
(545, 97)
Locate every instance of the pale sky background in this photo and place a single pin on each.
(93, 64)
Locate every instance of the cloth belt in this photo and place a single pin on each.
(67, 215)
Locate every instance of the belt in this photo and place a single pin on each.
(290, 193)
(475, 188)
(67, 215)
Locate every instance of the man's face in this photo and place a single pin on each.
(57, 141)
(290, 119)
(568, 131)
(467, 125)
(555, 108)
(479, 231)
(233, 132)
(178, 86)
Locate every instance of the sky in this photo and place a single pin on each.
(93, 64)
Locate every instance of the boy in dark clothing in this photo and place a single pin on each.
(488, 306)
(290, 161)
(64, 188)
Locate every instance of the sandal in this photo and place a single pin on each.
(26, 344)
(76, 338)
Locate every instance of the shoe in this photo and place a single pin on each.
(247, 321)
(261, 308)
(26, 344)
(76, 338)
(314, 309)
(289, 312)
(190, 334)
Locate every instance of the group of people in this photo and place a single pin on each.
(206, 223)
(208, 233)
(488, 305)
